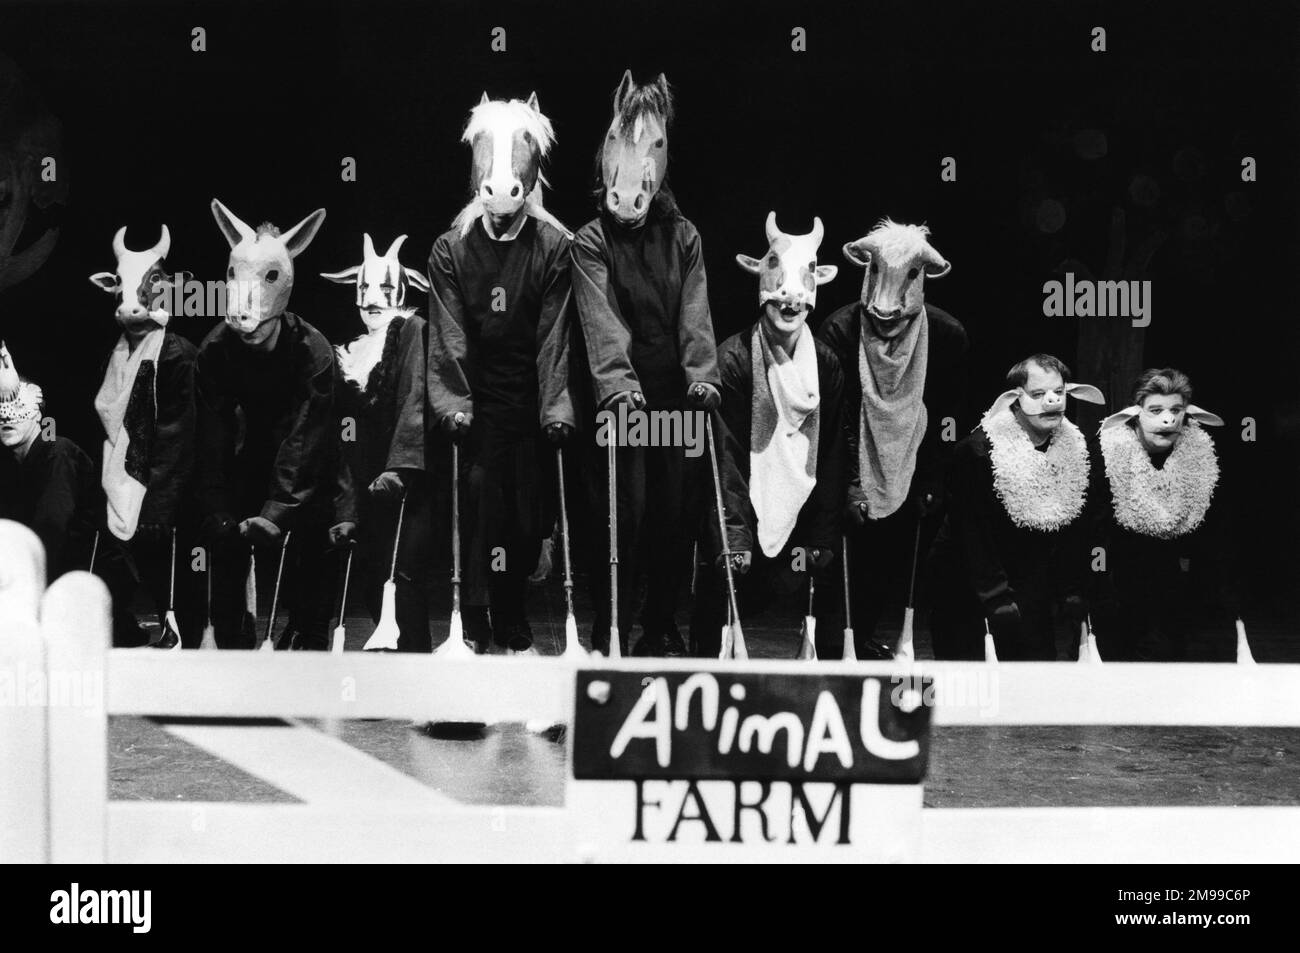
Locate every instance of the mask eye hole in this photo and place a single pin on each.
(230, 274)
(273, 276)
(773, 261)
(659, 143)
(875, 269)
(912, 273)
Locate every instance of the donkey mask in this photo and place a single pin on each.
(259, 275)
(634, 157)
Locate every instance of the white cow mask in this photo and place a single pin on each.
(381, 283)
(788, 275)
(140, 283)
(259, 276)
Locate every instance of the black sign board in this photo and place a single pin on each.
(751, 726)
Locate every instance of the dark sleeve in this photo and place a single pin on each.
(174, 438)
(731, 429)
(216, 436)
(606, 332)
(837, 333)
(1215, 563)
(57, 504)
(406, 451)
(555, 402)
(973, 501)
(694, 323)
(946, 401)
(303, 455)
(827, 499)
(345, 492)
(448, 363)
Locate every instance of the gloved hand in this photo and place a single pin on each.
(388, 484)
(927, 500)
(819, 559)
(740, 561)
(255, 529)
(1004, 621)
(217, 527)
(633, 398)
(341, 533)
(704, 396)
(558, 433)
(457, 425)
(855, 514)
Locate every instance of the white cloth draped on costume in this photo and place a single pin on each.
(785, 422)
(125, 493)
(892, 418)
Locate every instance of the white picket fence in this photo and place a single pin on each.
(54, 802)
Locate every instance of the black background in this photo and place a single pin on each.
(851, 130)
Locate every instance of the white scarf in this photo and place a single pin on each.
(892, 418)
(1039, 489)
(1167, 502)
(785, 421)
(362, 354)
(125, 494)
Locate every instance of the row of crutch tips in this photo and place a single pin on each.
(384, 638)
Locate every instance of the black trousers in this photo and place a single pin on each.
(881, 557)
(307, 592)
(660, 501)
(768, 579)
(373, 560)
(144, 562)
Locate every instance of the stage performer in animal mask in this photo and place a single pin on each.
(269, 373)
(1163, 528)
(498, 364)
(904, 362)
(146, 405)
(47, 485)
(782, 453)
(1013, 549)
(642, 296)
(379, 395)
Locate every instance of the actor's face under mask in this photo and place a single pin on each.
(1160, 423)
(1041, 406)
(16, 433)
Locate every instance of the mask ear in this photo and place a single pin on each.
(1120, 418)
(416, 279)
(1202, 416)
(825, 273)
(1085, 392)
(1005, 400)
(345, 277)
(858, 253)
(299, 237)
(104, 281)
(751, 265)
(935, 265)
(229, 223)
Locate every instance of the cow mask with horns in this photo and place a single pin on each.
(788, 276)
(141, 285)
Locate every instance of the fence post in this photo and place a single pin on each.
(24, 748)
(75, 619)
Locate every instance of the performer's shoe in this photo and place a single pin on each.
(650, 645)
(168, 639)
(520, 641)
(131, 637)
(674, 646)
(478, 631)
(872, 650)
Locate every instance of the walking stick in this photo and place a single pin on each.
(905, 651)
(572, 647)
(336, 644)
(384, 638)
(209, 633)
(268, 643)
(615, 645)
(170, 640)
(94, 551)
(850, 649)
(455, 646)
(733, 638)
(808, 650)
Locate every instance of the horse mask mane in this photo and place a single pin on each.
(259, 275)
(508, 141)
(634, 154)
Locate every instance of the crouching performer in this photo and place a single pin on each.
(46, 483)
(146, 406)
(1013, 546)
(498, 365)
(379, 394)
(642, 296)
(1167, 554)
(269, 373)
(904, 363)
(781, 455)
